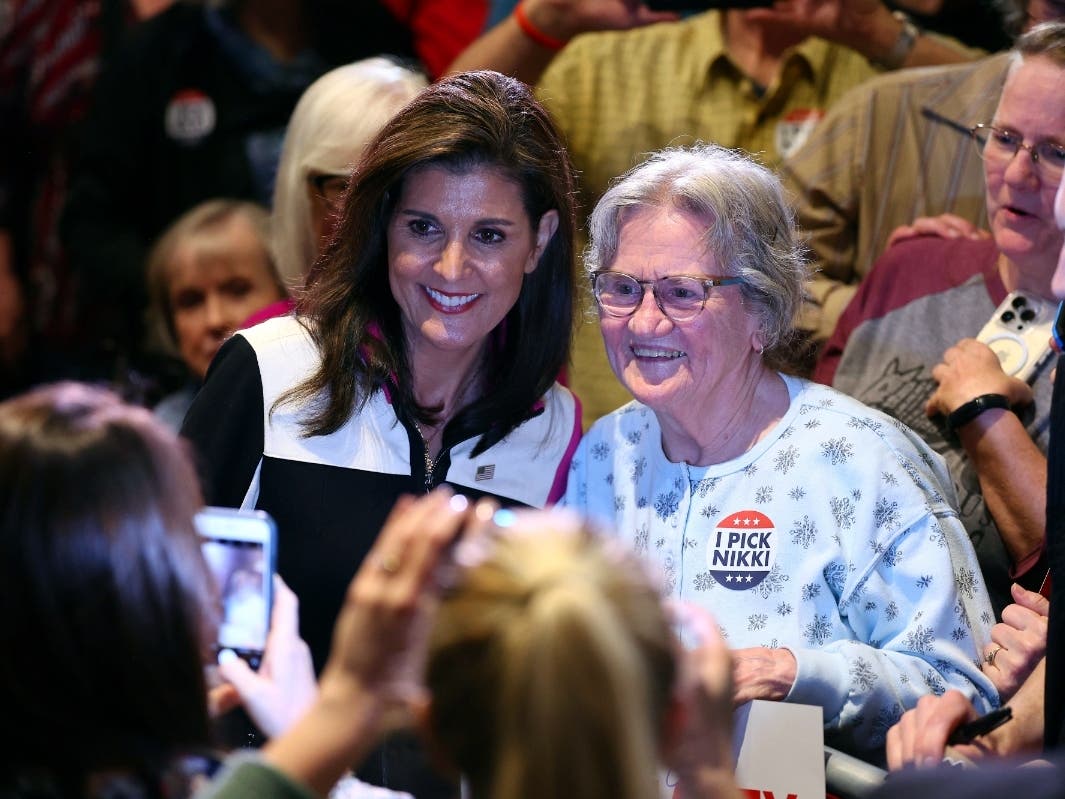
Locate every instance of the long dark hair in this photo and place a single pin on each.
(101, 584)
(468, 120)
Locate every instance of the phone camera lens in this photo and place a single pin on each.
(1007, 316)
(1019, 302)
(1027, 315)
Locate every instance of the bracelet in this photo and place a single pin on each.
(903, 45)
(964, 414)
(534, 33)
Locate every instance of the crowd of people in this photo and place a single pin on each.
(700, 292)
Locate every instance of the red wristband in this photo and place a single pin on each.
(534, 33)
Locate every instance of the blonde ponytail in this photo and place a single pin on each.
(551, 668)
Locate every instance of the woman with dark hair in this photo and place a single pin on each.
(425, 351)
(103, 593)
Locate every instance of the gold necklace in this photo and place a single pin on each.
(430, 464)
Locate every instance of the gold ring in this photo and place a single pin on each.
(389, 564)
(989, 658)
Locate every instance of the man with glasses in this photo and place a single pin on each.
(906, 343)
(889, 152)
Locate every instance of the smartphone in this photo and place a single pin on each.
(240, 549)
(1019, 332)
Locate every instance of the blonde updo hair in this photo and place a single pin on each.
(551, 668)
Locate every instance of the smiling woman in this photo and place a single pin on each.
(822, 536)
(425, 351)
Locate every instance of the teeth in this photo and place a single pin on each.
(656, 352)
(451, 300)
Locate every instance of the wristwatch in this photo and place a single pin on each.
(964, 414)
(907, 39)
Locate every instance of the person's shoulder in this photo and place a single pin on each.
(288, 330)
(625, 421)
(919, 267)
(867, 428)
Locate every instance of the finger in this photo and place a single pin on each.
(221, 699)
(238, 674)
(285, 616)
(1032, 600)
(438, 532)
(901, 233)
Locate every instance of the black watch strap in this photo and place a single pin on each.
(964, 414)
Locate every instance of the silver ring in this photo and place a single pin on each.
(389, 564)
(989, 658)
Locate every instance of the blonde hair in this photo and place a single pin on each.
(551, 667)
(203, 220)
(334, 120)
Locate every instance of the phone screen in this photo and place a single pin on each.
(238, 548)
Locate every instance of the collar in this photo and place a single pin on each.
(811, 54)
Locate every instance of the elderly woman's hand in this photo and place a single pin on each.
(762, 673)
(1019, 641)
(968, 370)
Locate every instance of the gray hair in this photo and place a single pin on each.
(750, 228)
(1046, 39)
(336, 117)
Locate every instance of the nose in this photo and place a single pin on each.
(1020, 171)
(218, 317)
(451, 263)
(648, 318)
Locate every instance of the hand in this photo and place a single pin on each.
(920, 736)
(1019, 641)
(946, 226)
(380, 636)
(763, 673)
(849, 22)
(703, 755)
(284, 687)
(564, 19)
(970, 369)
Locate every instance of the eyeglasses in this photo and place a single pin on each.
(1001, 144)
(330, 188)
(679, 297)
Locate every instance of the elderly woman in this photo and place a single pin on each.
(425, 352)
(821, 534)
(328, 132)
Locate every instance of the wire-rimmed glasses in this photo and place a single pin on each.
(679, 297)
(1002, 144)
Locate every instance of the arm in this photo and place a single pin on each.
(866, 26)
(225, 424)
(917, 618)
(1011, 469)
(378, 641)
(510, 50)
